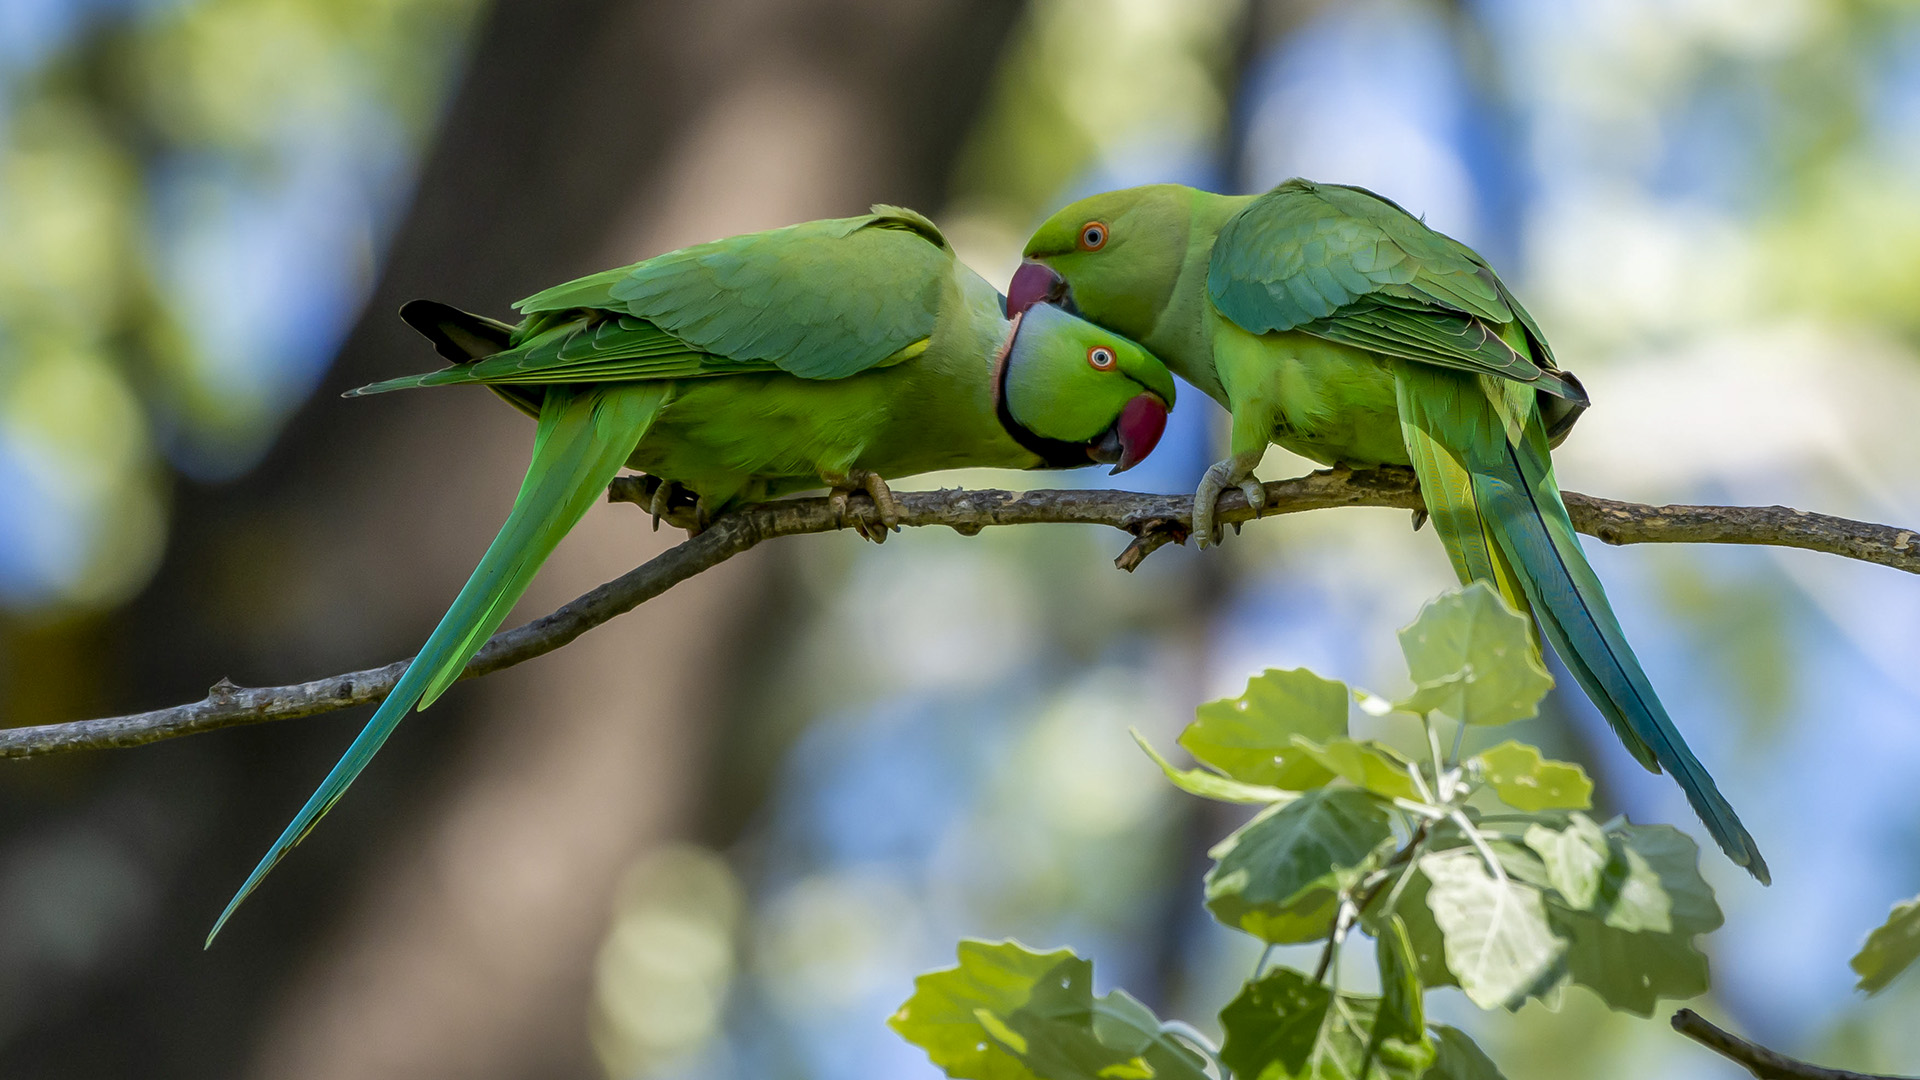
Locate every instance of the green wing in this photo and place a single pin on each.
(820, 300)
(1344, 264)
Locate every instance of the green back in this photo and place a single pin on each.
(820, 300)
(1350, 266)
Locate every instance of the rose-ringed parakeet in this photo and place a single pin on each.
(1332, 322)
(827, 354)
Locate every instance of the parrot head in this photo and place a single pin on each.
(1113, 258)
(1074, 393)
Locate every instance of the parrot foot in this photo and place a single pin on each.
(672, 502)
(885, 505)
(660, 504)
(1236, 471)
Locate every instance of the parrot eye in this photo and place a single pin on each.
(1100, 357)
(1093, 236)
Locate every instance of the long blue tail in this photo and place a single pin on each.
(1491, 430)
(583, 438)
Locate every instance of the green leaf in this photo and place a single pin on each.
(1520, 862)
(1499, 945)
(1472, 657)
(1348, 1051)
(1285, 1026)
(1575, 858)
(1071, 1035)
(1250, 738)
(1631, 894)
(1402, 1013)
(1457, 1057)
(1427, 943)
(1277, 876)
(1525, 781)
(1272, 1027)
(1636, 945)
(1630, 971)
(1890, 949)
(958, 1016)
(1365, 764)
(1009, 1013)
(1211, 785)
(1662, 860)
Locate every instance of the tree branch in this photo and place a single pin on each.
(1758, 1060)
(1152, 519)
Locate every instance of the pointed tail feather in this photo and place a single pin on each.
(1447, 488)
(443, 377)
(1503, 446)
(462, 338)
(583, 439)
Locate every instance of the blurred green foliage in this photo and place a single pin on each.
(150, 162)
(1083, 82)
(1890, 949)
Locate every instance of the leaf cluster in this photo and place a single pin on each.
(1485, 874)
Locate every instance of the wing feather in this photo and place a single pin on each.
(1347, 265)
(821, 300)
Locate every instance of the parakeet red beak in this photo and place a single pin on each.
(1034, 283)
(1132, 437)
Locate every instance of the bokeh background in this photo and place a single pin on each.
(717, 837)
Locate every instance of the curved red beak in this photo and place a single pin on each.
(1140, 425)
(1034, 283)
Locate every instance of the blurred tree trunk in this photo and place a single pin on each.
(443, 921)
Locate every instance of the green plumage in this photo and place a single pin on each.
(832, 353)
(1349, 266)
(1330, 321)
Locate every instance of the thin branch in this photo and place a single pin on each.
(1758, 1060)
(1153, 520)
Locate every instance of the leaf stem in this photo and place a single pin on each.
(1473, 834)
(1193, 1035)
(1414, 851)
(1420, 782)
(1440, 781)
(1342, 923)
(1260, 965)
(1426, 810)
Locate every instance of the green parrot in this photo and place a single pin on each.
(827, 354)
(1332, 322)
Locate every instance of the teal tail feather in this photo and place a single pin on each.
(584, 437)
(1500, 443)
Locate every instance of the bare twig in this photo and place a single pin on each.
(1758, 1060)
(1152, 519)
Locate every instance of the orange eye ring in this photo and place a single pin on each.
(1100, 358)
(1093, 235)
